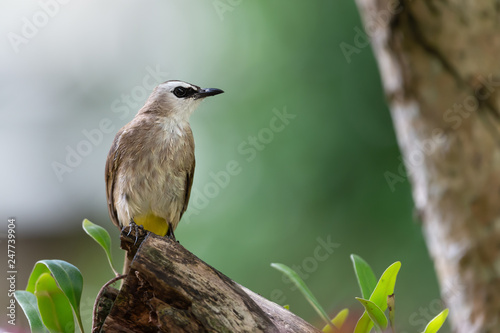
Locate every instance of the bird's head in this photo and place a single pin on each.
(179, 99)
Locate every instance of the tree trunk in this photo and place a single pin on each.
(168, 289)
(439, 62)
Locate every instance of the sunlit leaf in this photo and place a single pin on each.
(375, 313)
(384, 288)
(338, 321)
(435, 324)
(54, 307)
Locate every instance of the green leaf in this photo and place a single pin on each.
(384, 288)
(295, 278)
(28, 303)
(366, 279)
(38, 270)
(68, 278)
(364, 324)
(435, 324)
(375, 313)
(338, 321)
(101, 236)
(54, 306)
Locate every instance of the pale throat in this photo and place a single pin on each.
(175, 126)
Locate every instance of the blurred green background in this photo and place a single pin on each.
(315, 177)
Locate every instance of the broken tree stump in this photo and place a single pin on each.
(168, 289)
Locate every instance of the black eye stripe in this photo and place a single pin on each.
(182, 92)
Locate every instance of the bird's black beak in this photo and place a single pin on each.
(202, 93)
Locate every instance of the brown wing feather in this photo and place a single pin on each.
(112, 164)
(189, 184)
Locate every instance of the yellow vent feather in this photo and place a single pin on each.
(153, 223)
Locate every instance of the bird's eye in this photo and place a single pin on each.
(180, 92)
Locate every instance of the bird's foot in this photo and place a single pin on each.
(170, 232)
(133, 225)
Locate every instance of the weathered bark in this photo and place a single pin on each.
(168, 289)
(440, 65)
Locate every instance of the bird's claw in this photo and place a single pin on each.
(170, 232)
(136, 228)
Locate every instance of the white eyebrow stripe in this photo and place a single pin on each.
(170, 85)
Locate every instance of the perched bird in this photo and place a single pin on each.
(150, 166)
